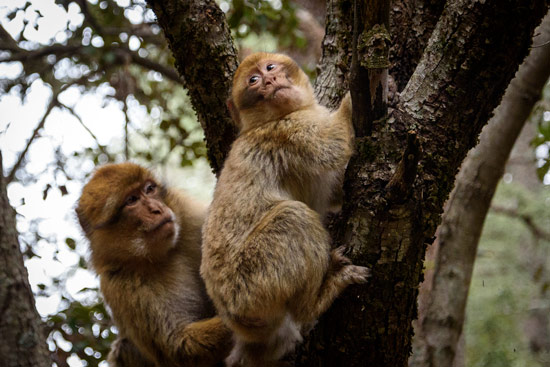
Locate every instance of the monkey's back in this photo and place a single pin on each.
(257, 235)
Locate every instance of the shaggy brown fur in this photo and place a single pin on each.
(145, 247)
(266, 254)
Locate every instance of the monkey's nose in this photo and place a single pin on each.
(270, 79)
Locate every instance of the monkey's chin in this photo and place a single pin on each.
(168, 231)
(282, 94)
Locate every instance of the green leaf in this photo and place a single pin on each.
(70, 243)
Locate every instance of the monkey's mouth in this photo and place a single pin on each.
(162, 224)
(278, 89)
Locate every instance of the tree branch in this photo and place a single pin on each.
(168, 72)
(528, 220)
(479, 58)
(200, 40)
(79, 119)
(53, 102)
(24, 55)
(7, 40)
(83, 4)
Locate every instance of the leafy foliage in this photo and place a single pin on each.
(260, 16)
(86, 328)
(118, 49)
(510, 280)
(541, 114)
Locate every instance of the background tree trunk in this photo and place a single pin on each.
(23, 342)
(441, 325)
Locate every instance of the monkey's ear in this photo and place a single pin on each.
(233, 111)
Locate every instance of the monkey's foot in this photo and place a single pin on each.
(337, 259)
(354, 274)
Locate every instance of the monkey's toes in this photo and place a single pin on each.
(357, 274)
(337, 257)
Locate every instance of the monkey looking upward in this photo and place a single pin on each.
(267, 263)
(145, 247)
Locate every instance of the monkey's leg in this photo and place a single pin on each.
(287, 267)
(282, 263)
(340, 274)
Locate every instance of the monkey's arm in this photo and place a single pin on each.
(125, 354)
(323, 144)
(344, 112)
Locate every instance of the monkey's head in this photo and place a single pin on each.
(123, 212)
(267, 87)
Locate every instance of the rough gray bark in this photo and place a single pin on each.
(466, 66)
(22, 339)
(412, 23)
(440, 328)
(332, 71)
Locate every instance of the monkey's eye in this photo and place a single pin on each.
(150, 188)
(270, 67)
(131, 200)
(253, 79)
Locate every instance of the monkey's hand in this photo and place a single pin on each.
(205, 340)
(346, 105)
(125, 354)
(343, 115)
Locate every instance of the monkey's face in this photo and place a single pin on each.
(145, 211)
(270, 86)
(123, 212)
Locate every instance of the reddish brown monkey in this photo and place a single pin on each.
(145, 247)
(267, 262)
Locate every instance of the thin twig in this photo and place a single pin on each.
(168, 72)
(7, 39)
(73, 112)
(53, 102)
(126, 121)
(83, 4)
(527, 219)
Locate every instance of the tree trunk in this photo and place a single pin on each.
(412, 23)
(23, 343)
(441, 326)
(387, 219)
(205, 55)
